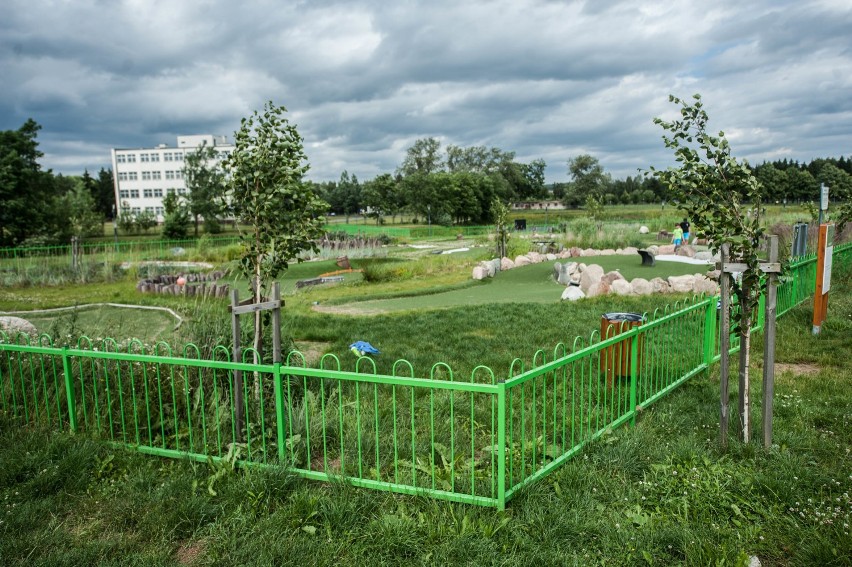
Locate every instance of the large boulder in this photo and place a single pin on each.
(641, 286)
(550, 257)
(14, 325)
(564, 272)
(653, 249)
(506, 264)
(666, 249)
(629, 251)
(557, 270)
(704, 255)
(589, 252)
(598, 288)
(620, 287)
(659, 285)
(572, 293)
(522, 261)
(575, 252)
(591, 275)
(607, 252)
(489, 269)
(494, 265)
(643, 229)
(704, 284)
(480, 273)
(610, 277)
(682, 284)
(686, 250)
(536, 258)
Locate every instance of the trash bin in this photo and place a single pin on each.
(615, 360)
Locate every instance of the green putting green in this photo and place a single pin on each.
(147, 325)
(532, 283)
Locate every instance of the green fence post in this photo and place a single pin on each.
(634, 375)
(761, 307)
(279, 411)
(69, 390)
(501, 445)
(710, 332)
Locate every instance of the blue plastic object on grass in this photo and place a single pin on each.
(363, 348)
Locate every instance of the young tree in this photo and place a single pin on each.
(205, 183)
(268, 195)
(80, 207)
(146, 220)
(710, 184)
(501, 221)
(176, 217)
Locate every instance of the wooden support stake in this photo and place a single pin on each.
(769, 346)
(724, 345)
(238, 375)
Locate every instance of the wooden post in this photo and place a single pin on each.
(276, 323)
(724, 344)
(769, 345)
(238, 375)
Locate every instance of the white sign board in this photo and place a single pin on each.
(823, 198)
(826, 272)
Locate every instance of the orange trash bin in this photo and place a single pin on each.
(615, 360)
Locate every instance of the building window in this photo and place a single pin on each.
(158, 192)
(143, 157)
(181, 191)
(167, 156)
(149, 209)
(135, 210)
(146, 176)
(131, 158)
(134, 193)
(132, 176)
(122, 176)
(170, 191)
(179, 174)
(155, 175)
(147, 193)
(124, 194)
(120, 158)
(155, 157)
(178, 156)
(159, 210)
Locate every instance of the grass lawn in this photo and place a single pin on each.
(662, 493)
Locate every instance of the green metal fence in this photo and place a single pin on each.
(477, 439)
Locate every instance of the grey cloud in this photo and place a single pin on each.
(365, 79)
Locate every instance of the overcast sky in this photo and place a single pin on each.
(364, 80)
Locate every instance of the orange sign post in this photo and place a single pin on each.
(825, 248)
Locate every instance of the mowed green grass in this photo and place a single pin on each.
(106, 321)
(529, 284)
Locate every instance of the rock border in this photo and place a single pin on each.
(582, 280)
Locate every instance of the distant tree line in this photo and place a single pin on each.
(443, 186)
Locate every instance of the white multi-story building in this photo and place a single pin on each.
(144, 176)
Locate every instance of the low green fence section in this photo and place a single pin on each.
(477, 439)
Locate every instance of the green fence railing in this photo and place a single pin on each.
(477, 439)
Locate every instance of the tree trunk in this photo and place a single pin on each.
(258, 327)
(745, 403)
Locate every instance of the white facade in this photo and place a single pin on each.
(144, 176)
